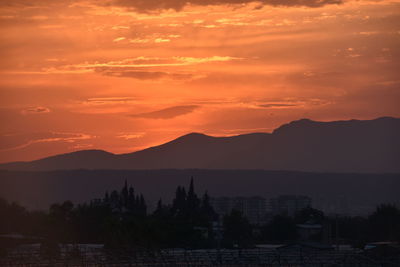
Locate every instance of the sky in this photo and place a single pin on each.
(124, 75)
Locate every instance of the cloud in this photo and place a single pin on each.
(109, 100)
(144, 68)
(147, 75)
(9, 142)
(145, 62)
(119, 39)
(278, 105)
(167, 113)
(149, 5)
(294, 103)
(162, 40)
(106, 105)
(81, 146)
(35, 110)
(134, 63)
(129, 136)
(26, 3)
(259, 104)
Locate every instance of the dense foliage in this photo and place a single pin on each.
(120, 219)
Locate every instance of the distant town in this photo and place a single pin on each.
(259, 210)
(195, 228)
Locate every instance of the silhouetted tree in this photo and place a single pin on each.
(280, 228)
(115, 200)
(124, 195)
(60, 217)
(309, 215)
(120, 219)
(179, 202)
(385, 223)
(13, 217)
(193, 201)
(207, 209)
(237, 230)
(354, 230)
(131, 199)
(106, 198)
(142, 206)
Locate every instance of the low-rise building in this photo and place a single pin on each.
(289, 204)
(253, 208)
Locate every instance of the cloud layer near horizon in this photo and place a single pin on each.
(148, 5)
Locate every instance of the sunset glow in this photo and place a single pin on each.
(124, 75)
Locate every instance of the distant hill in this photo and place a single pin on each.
(303, 145)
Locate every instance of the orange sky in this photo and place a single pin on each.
(127, 74)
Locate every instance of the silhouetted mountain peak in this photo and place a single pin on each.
(83, 153)
(305, 126)
(305, 145)
(297, 125)
(192, 137)
(93, 151)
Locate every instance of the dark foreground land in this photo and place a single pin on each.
(118, 231)
(282, 256)
(116, 216)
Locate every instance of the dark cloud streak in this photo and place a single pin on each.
(167, 113)
(147, 75)
(35, 110)
(278, 105)
(149, 5)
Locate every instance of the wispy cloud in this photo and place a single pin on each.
(81, 146)
(145, 62)
(144, 68)
(167, 113)
(118, 39)
(179, 4)
(105, 105)
(109, 100)
(278, 105)
(147, 75)
(129, 136)
(291, 103)
(35, 110)
(20, 141)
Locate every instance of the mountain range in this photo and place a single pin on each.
(362, 146)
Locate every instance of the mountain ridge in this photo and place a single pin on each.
(301, 145)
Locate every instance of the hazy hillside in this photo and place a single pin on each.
(303, 145)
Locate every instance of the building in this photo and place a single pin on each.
(253, 208)
(289, 204)
(309, 231)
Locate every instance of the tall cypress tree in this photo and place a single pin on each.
(179, 202)
(131, 199)
(124, 194)
(206, 208)
(193, 202)
(142, 206)
(106, 199)
(159, 207)
(115, 200)
(191, 187)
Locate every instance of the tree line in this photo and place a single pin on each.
(121, 220)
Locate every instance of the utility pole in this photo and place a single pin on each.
(337, 232)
